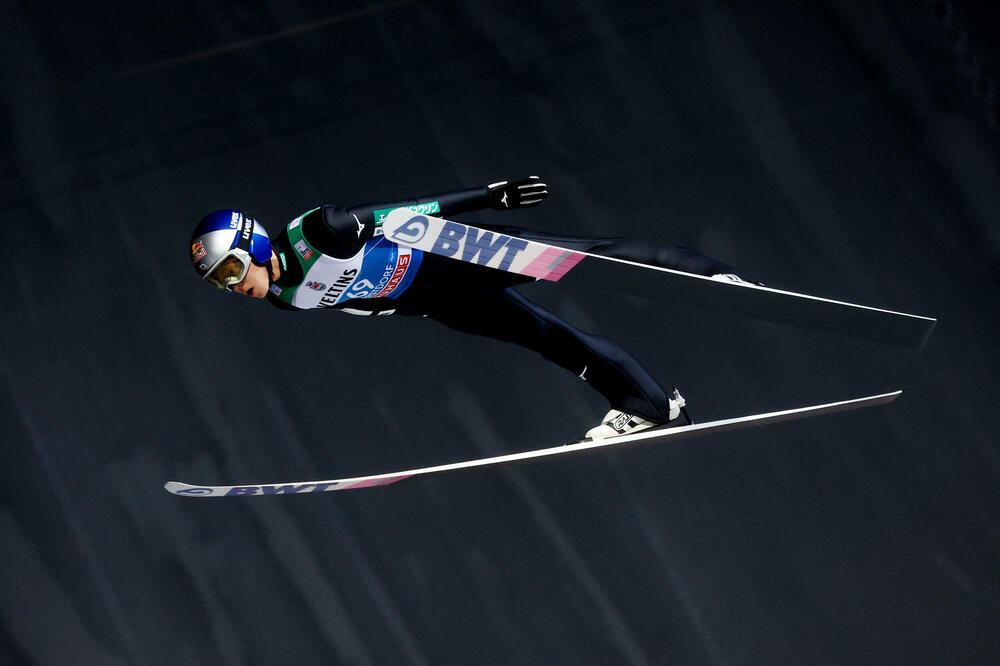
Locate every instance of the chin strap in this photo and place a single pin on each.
(268, 266)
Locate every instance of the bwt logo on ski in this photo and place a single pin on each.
(467, 243)
(287, 489)
(412, 232)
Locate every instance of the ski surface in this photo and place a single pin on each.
(480, 246)
(664, 285)
(613, 443)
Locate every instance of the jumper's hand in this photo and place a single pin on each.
(518, 194)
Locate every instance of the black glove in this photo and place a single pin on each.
(518, 194)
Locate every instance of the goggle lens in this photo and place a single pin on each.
(231, 271)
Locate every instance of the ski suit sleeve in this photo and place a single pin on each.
(341, 232)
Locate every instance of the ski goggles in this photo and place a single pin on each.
(233, 266)
(229, 270)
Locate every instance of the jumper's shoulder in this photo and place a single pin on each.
(334, 231)
(340, 221)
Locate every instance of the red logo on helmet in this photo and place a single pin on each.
(197, 251)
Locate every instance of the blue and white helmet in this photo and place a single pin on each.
(225, 243)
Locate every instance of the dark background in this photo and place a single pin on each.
(847, 149)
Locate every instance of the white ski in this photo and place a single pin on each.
(679, 432)
(671, 287)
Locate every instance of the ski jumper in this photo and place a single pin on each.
(336, 258)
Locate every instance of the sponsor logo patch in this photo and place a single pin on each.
(316, 286)
(197, 252)
(303, 249)
(397, 276)
(428, 208)
(335, 290)
(622, 421)
(247, 228)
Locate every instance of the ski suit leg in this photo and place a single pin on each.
(482, 301)
(506, 315)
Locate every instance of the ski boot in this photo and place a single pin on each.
(733, 277)
(617, 422)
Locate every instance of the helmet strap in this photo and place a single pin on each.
(245, 235)
(267, 266)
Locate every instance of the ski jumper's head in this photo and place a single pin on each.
(225, 246)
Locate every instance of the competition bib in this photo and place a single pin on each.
(381, 269)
